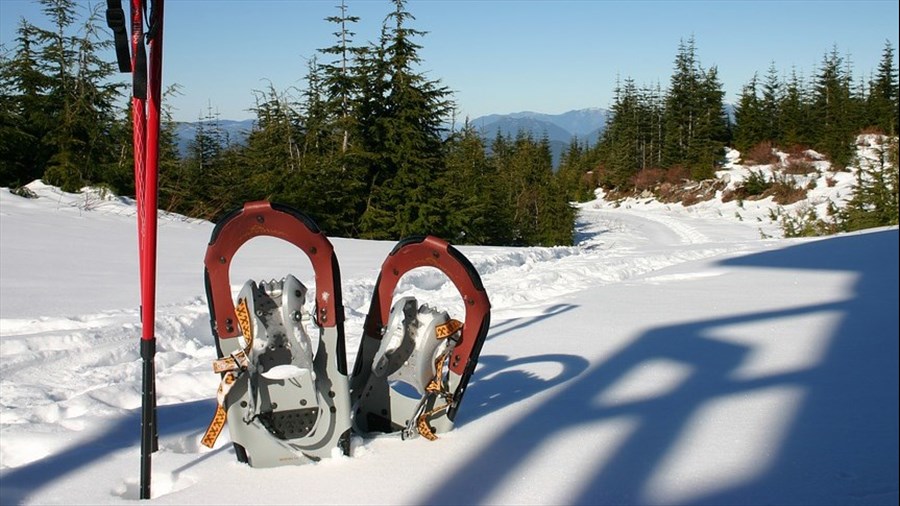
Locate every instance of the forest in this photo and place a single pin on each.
(365, 148)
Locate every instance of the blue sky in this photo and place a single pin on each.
(503, 56)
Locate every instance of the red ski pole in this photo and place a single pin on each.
(145, 106)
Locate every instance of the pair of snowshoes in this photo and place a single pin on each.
(286, 403)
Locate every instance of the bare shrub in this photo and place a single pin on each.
(761, 154)
(648, 179)
(798, 167)
(869, 130)
(785, 191)
(690, 199)
(676, 174)
(732, 194)
(800, 152)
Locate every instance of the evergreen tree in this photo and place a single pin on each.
(573, 172)
(696, 128)
(875, 197)
(469, 188)
(795, 111)
(407, 200)
(59, 116)
(82, 101)
(882, 102)
(834, 133)
(340, 79)
(273, 154)
(24, 111)
(622, 138)
(750, 125)
(681, 114)
(210, 187)
(711, 132)
(769, 106)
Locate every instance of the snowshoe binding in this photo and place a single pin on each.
(283, 403)
(414, 361)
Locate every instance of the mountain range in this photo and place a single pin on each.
(586, 125)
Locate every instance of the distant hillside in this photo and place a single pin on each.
(560, 129)
(236, 132)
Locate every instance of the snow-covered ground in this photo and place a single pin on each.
(673, 356)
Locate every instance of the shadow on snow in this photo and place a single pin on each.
(841, 445)
(123, 434)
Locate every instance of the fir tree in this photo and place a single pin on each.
(875, 197)
(82, 102)
(407, 200)
(882, 102)
(769, 106)
(59, 119)
(832, 109)
(469, 189)
(748, 114)
(622, 137)
(24, 111)
(795, 112)
(696, 128)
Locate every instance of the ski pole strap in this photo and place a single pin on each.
(115, 20)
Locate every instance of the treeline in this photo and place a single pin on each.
(679, 132)
(59, 118)
(364, 148)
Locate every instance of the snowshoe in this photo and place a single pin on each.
(283, 403)
(414, 361)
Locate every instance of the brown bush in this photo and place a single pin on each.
(735, 194)
(677, 174)
(798, 167)
(690, 199)
(799, 152)
(761, 154)
(785, 191)
(869, 130)
(647, 179)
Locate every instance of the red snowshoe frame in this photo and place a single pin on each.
(377, 406)
(253, 443)
(274, 220)
(409, 254)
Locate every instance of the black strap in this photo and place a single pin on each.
(153, 29)
(115, 19)
(139, 77)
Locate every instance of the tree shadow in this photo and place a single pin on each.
(174, 420)
(501, 381)
(840, 446)
(511, 324)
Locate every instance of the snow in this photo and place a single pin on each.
(675, 355)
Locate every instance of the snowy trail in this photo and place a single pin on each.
(81, 360)
(576, 370)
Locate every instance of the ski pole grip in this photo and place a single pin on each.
(430, 251)
(262, 218)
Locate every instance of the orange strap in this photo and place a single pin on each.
(231, 366)
(218, 421)
(436, 386)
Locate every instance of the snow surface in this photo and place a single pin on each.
(673, 356)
